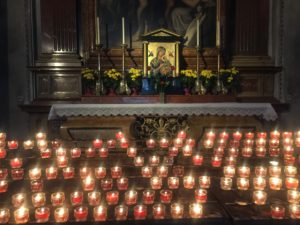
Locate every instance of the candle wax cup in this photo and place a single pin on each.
(18, 199)
(100, 172)
(76, 198)
(4, 215)
(106, 184)
(122, 183)
(3, 173)
(17, 174)
(196, 210)
(61, 215)
(3, 186)
(121, 212)
(97, 143)
(140, 212)
(103, 152)
(68, 172)
(3, 153)
(116, 172)
(112, 197)
(200, 195)
(131, 152)
(148, 196)
(90, 153)
(100, 213)
(130, 197)
(173, 182)
(12, 145)
(57, 198)
(75, 153)
(294, 210)
(94, 198)
(277, 211)
(84, 172)
(36, 185)
(21, 215)
(159, 211)
(204, 182)
(42, 214)
(80, 213)
(166, 196)
(177, 211)
(51, 173)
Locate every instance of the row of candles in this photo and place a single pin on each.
(100, 213)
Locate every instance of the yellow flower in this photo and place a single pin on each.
(189, 73)
(112, 74)
(207, 74)
(234, 71)
(229, 79)
(134, 73)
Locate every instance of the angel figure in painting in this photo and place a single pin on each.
(160, 65)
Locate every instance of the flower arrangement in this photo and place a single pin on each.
(188, 78)
(231, 79)
(111, 79)
(88, 81)
(135, 78)
(208, 78)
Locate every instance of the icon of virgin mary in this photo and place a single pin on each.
(160, 65)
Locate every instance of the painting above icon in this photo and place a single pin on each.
(143, 16)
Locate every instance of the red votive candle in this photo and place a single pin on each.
(131, 152)
(244, 171)
(189, 182)
(178, 142)
(260, 142)
(35, 173)
(88, 184)
(12, 145)
(38, 199)
(242, 183)
(191, 142)
(90, 153)
(178, 171)
(197, 160)
(3, 153)
(100, 213)
(42, 144)
(162, 171)
(140, 212)
(62, 161)
(237, 135)
(124, 143)
(121, 212)
(21, 215)
(103, 152)
(147, 171)
(208, 143)
(159, 211)
(260, 171)
(234, 152)
(273, 143)
(94, 198)
(195, 210)
(138, 161)
(40, 136)
(156, 183)
(2, 144)
(275, 183)
(106, 184)
(291, 183)
(2, 136)
(45, 153)
(80, 213)
(84, 172)
(27, 145)
(150, 143)
(294, 210)
(57, 199)
(51, 173)
(17, 174)
(4, 215)
(173, 182)
(204, 182)
(76, 198)
(154, 160)
(16, 163)
(3, 173)
(61, 152)
(290, 171)
(230, 161)
(36, 185)
(177, 210)
(3, 186)
(260, 152)
(187, 150)
(261, 135)
(229, 171)
(277, 211)
(112, 197)
(259, 183)
(173, 151)
(164, 143)
(68, 172)
(116, 171)
(42, 214)
(148, 197)
(18, 200)
(75, 153)
(56, 144)
(166, 196)
(274, 152)
(61, 215)
(182, 134)
(216, 161)
(97, 143)
(131, 197)
(100, 172)
(111, 143)
(122, 183)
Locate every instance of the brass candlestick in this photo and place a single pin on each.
(199, 88)
(123, 87)
(100, 89)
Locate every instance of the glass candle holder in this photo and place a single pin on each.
(28, 145)
(188, 182)
(244, 171)
(274, 152)
(224, 135)
(210, 135)
(208, 143)
(274, 143)
(2, 144)
(293, 196)
(122, 183)
(111, 143)
(229, 171)
(68, 172)
(13, 144)
(259, 183)
(38, 199)
(173, 151)
(197, 159)
(159, 211)
(147, 171)
(61, 215)
(289, 160)
(94, 198)
(51, 173)
(162, 171)
(178, 142)
(138, 161)
(204, 182)
(131, 197)
(195, 210)
(76, 198)
(131, 152)
(40, 136)
(260, 171)
(88, 184)
(60, 152)
(103, 152)
(234, 152)
(100, 172)
(42, 144)
(121, 212)
(260, 142)
(164, 143)
(216, 161)
(85, 172)
(242, 183)
(35, 173)
(100, 213)
(247, 152)
(221, 143)
(177, 210)
(21, 215)
(275, 171)
(45, 153)
(261, 135)
(106, 184)
(248, 143)
(97, 143)
(4, 215)
(116, 171)
(226, 183)
(275, 183)
(81, 213)
(178, 171)
(62, 161)
(119, 135)
(154, 160)
(57, 199)
(166, 196)
(287, 142)
(3, 153)
(148, 197)
(191, 142)
(2, 136)
(290, 171)
(156, 182)
(294, 210)
(277, 211)
(18, 200)
(3, 186)
(275, 134)
(112, 197)
(42, 214)
(173, 182)
(56, 143)
(90, 152)
(16, 163)
(3, 173)
(291, 183)
(288, 151)
(75, 153)
(124, 143)
(140, 212)
(17, 174)
(260, 151)
(36, 185)
(150, 143)
(237, 135)
(259, 197)
(200, 195)
(182, 134)
(187, 150)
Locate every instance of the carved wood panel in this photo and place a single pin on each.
(58, 26)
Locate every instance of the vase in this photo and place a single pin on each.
(199, 88)
(148, 86)
(88, 89)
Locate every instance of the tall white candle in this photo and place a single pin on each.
(218, 28)
(123, 30)
(198, 32)
(97, 39)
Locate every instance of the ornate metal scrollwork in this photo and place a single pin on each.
(157, 127)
